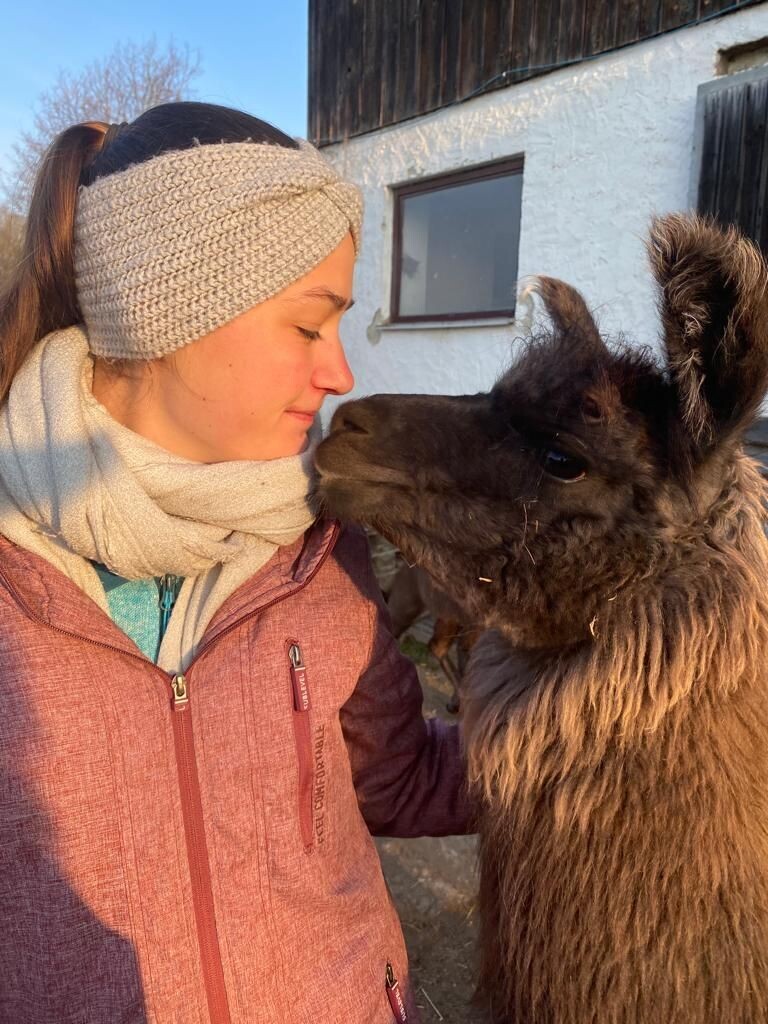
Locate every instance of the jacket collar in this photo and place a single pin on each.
(47, 595)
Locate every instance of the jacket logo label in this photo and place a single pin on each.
(318, 792)
(302, 689)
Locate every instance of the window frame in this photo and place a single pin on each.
(435, 183)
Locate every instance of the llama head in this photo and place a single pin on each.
(586, 467)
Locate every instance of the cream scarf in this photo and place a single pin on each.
(76, 485)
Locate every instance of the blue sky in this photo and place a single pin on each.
(253, 55)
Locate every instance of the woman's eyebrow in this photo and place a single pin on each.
(329, 296)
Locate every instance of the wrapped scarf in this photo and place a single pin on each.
(76, 485)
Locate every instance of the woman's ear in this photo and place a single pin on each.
(714, 308)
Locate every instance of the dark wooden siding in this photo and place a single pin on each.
(374, 63)
(732, 150)
(733, 142)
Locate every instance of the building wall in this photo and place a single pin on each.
(607, 144)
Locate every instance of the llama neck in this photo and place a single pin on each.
(697, 634)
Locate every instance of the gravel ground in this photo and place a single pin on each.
(433, 883)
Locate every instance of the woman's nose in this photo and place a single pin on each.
(332, 372)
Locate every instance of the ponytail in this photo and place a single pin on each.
(40, 296)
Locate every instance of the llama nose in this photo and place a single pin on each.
(352, 417)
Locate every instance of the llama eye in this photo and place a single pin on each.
(561, 466)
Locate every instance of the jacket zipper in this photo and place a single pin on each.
(188, 779)
(197, 853)
(395, 996)
(303, 737)
(168, 588)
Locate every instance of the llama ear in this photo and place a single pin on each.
(569, 313)
(714, 310)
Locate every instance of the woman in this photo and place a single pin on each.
(204, 714)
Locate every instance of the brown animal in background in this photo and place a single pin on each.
(413, 594)
(617, 715)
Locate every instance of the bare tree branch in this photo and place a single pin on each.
(11, 230)
(129, 80)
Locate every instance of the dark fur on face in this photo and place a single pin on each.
(596, 511)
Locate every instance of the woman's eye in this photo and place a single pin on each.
(562, 466)
(310, 335)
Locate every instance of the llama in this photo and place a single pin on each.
(595, 511)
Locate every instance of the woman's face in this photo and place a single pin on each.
(249, 389)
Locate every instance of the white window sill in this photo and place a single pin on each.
(447, 325)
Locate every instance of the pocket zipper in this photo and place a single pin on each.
(298, 678)
(395, 996)
(303, 738)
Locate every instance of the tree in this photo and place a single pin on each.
(11, 230)
(116, 88)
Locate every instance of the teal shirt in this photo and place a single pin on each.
(141, 608)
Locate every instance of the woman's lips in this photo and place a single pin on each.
(303, 417)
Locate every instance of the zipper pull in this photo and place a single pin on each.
(395, 996)
(180, 695)
(169, 591)
(298, 679)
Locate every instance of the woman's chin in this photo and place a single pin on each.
(290, 439)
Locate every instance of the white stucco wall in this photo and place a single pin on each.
(607, 144)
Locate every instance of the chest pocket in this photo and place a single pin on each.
(301, 704)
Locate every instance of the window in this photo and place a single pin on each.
(731, 152)
(456, 241)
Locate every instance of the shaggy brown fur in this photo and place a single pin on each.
(617, 714)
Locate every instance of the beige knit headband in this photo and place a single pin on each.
(170, 249)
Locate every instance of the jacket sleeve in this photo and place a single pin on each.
(409, 773)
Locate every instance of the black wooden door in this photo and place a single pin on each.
(733, 174)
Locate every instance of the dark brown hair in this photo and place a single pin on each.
(41, 295)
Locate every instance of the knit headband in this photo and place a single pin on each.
(170, 249)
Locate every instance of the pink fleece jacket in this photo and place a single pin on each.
(198, 849)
